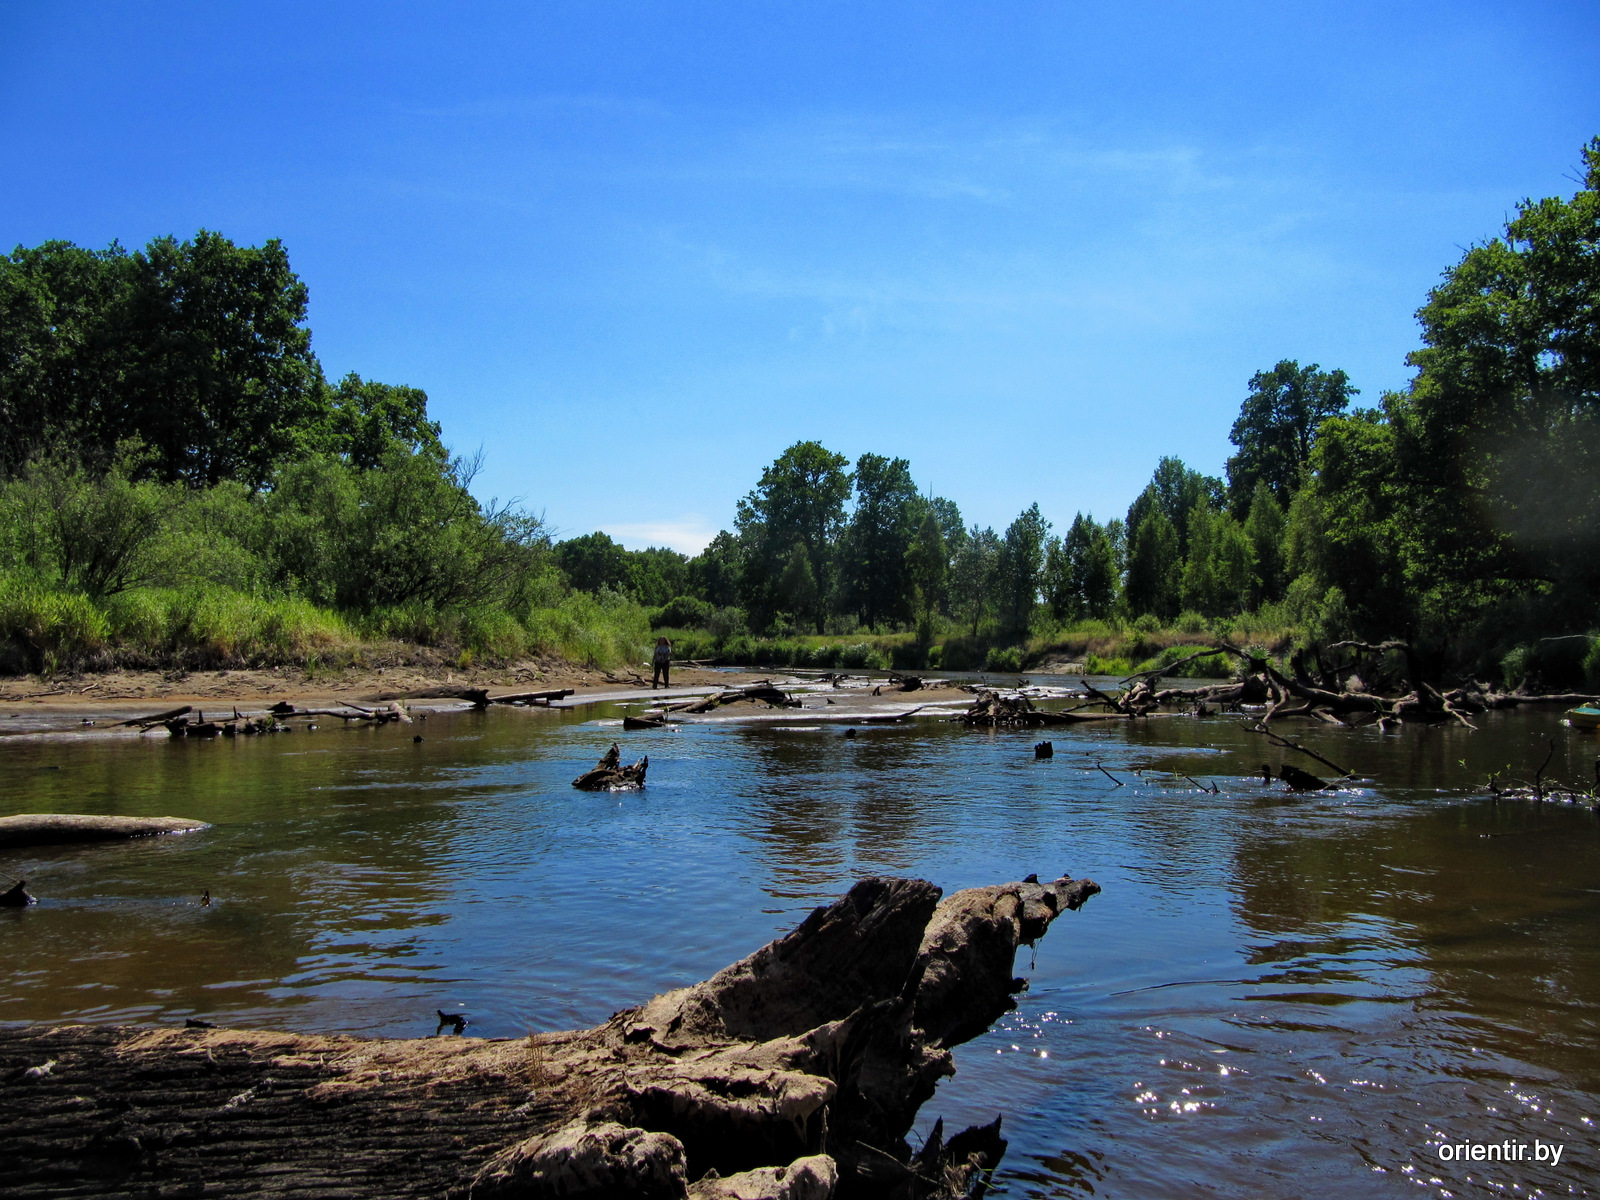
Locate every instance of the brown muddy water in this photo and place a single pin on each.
(1274, 995)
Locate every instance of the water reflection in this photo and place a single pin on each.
(1270, 990)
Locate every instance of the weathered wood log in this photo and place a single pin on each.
(609, 775)
(172, 714)
(764, 691)
(478, 696)
(805, 1062)
(544, 697)
(59, 829)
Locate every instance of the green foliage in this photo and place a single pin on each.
(800, 498)
(1277, 428)
(974, 577)
(91, 533)
(798, 586)
(1020, 570)
(873, 550)
(197, 348)
(367, 421)
(683, 612)
(1497, 441)
(1004, 660)
(593, 561)
(1264, 529)
(715, 573)
(657, 574)
(1155, 564)
(927, 567)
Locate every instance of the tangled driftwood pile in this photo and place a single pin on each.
(1003, 709)
(794, 1074)
(1323, 684)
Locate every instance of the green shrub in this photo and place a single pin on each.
(1004, 660)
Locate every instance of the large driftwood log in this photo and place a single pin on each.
(793, 1074)
(56, 829)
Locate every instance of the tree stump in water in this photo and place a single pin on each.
(609, 775)
(793, 1074)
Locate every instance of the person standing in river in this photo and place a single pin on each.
(662, 661)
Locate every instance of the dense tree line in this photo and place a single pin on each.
(1461, 513)
(163, 420)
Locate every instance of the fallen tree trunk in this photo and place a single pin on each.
(793, 1074)
(60, 829)
(763, 691)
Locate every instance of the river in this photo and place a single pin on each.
(1275, 995)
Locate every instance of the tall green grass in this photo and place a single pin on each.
(45, 627)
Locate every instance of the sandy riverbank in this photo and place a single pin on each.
(255, 687)
(132, 693)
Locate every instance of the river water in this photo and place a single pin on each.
(1274, 996)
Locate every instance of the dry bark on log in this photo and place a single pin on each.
(59, 829)
(609, 775)
(791, 1075)
(773, 696)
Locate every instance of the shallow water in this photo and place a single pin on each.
(1273, 995)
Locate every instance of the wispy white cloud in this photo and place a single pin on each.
(687, 535)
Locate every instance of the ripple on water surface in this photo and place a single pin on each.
(1273, 996)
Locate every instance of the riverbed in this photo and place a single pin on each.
(1275, 994)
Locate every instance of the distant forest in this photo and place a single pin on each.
(180, 483)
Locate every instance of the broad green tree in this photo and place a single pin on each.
(800, 497)
(1498, 436)
(873, 550)
(1277, 427)
(594, 561)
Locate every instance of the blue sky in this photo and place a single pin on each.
(635, 250)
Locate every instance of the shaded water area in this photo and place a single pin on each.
(1274, 995)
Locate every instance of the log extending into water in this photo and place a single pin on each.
(794, 1074)
(60, 829)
